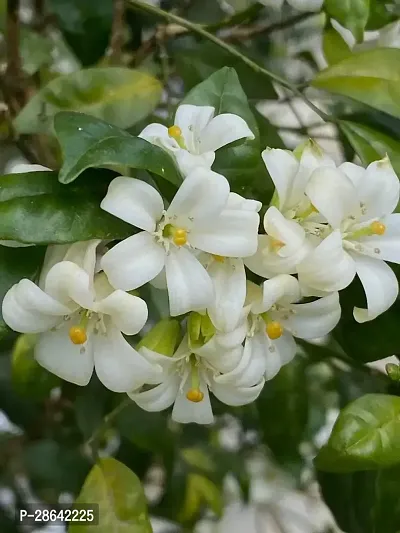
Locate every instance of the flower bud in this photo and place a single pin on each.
(200, 329)
(162, 338)
(393, 371)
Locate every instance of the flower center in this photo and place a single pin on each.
(194, 394)
(276, 244)
(375, 228)
(178, 235)
(77, 334)
(176, 133)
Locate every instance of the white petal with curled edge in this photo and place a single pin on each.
(134, 261)
(280, 352)
(54, 254)
(328, 267)
(202, 195)
(314, 319)
(222, 130)
(354, 172)
(160, 397)
(58, 354)
(134, 201)
(282, 166)
(189, 286)
(233, 338)
(158, 134)
(235, 201)
(379, 190)
(192, 119)
(119, 366)
(185, 411)
(235, 396)
(282, 288)
(83, 254)
(27, 309)
(261, 346)
(221, 360)
(232, 234)
(287, 232)
(128, 313)
(229, 280)
(333, 194)
(265, 263)
(380, 286)
(188, 162)
(69, 284)
(387, 246)
(161, 364)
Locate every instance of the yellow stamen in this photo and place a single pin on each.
(175, 132)
(377, 228)
(194, 395)
(274, 330)
(219, 258)
(276, 244)
(180, 237)
(77, 334)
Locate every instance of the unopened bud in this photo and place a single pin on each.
(163, 337)
(393, 371)
(200, 329)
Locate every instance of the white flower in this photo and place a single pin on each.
(358, 204)
(202, 216)
(196, 135)
(187, 379)
(301, 5)
(79, 321)
(274, 319)
(291, 223)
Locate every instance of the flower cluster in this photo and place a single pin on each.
(325, 225)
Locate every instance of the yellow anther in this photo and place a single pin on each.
(194, 395)
(175, 132)
(377, 228)
(276, 244)
(77, 335)
(180, 237)
(219, 258)
(274, 330)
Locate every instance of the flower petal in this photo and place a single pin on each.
(220, 359)
(158, 134)
(387, 246)
(222, 130)
(354, 172)
(380, 286)
(55, 352)
(128, 313)
(188, 162)
(134, 201)
(282, 288)
(83, 254)
(266, 263)
(235, 201)
(232, 234)
(251, 367)
(282, 166)
(203, 194)
(192, 119)
(185, 411)
(314, 319)
(160, 397)
(189, 286)
(287, 232)
(229, 280)
(261, 346)
(134, 261)
(119, 366)
(328, 267)
(70, 285)
(333, 194)
(280, 352)
(379, 190)
(236, 396)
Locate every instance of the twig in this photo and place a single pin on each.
(114, 50)
(12, 40)
(199, 30)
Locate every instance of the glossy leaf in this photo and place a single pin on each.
(35, 208)
(89, 142)
(15, 264)
(352, 14)
(120, 496)
(364, 437)
(119, 95)
(335, 47)
(239, 162)
(371, 144)
(371, 77)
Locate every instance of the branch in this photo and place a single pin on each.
(114, 51)
(12, 39)
(199, 30)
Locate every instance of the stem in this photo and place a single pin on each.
(12, 39)
(114, 51)
(199, 30)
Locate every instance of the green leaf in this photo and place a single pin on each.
(363, 502)
(35, 51)
(35, 208)
(120, 496)
(239, 162)
(15, 264)
(371, 77)
(121, 96)
(89, 142)
(371, 145)
(365, 436)
(28, 377)
(352, 14)
(335, 47)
